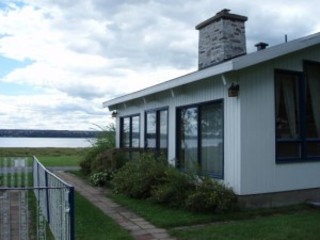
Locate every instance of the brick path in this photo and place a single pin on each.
(139, 228)
(13, 213)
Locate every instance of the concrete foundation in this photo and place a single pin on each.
(278, 199)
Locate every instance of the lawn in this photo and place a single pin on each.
(63, 160)
(300, 225)
(295, 222)
(93, 224)
(49, 157)
(29, 152)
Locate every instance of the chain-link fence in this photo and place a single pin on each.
(52, 204)
(56, 202)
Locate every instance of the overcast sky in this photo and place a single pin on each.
(60, 59)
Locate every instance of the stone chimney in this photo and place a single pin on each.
(221, 38)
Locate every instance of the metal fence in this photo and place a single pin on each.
(14, 220)
(56, 202)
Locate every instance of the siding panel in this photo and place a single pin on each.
(259, 172)
(202, 91)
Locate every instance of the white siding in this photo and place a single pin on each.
(202, 91)
(249, 125)
(259, 172)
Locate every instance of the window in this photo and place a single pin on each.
(298, 114)
(130, 132)
(200, 138)
(312, 73)
(156, 133)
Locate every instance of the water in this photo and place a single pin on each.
(18, 142)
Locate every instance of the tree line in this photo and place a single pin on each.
(48, 133)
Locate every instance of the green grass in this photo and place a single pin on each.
(63, 160)
(162, 216)
(166, 217)
(49, 157)
(301, 225)
(29, 152)
(91, 223)
(294, 222)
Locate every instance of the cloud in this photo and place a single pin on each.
(50, 111)
(81, 53)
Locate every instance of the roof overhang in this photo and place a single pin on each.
(225, 67)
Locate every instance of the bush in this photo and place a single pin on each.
(174, 188)
(101, 178)
(211, 195)
(94, 158)
(138, 177)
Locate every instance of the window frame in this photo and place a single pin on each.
(303, 140)
(157, 147)
(130, 131)
(199, 133)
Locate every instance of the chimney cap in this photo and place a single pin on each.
(261, 45)
(223, 14)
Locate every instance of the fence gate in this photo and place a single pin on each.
(34, 203)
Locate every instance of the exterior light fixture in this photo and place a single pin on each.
(114, 114)
(233, 90)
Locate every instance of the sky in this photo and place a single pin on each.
(61, 59)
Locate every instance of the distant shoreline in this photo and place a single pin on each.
(20, 133)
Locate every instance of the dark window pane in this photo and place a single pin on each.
(313, 101)
(135, 141)
(151, 121)
(130, 132)
(212, 139)
(288, 150)
(163, 136)
(126, 132)
(189, 138)
(287, 106)
(313, 149)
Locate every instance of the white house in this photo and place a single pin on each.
(250, 120)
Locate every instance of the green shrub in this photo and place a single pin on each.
(138, 177)
(85, 166)
(211, 196)
(94, 158)
(150, 178)
(174, 188)
(101, 178)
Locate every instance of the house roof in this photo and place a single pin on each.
(234, 64)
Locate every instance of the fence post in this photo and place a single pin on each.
(47, 196)
(71, 202)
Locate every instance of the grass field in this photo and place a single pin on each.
(63, 160)
(300, 225)
(49, 157)
(29, 152)
(295, 222)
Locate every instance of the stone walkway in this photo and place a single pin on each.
(139, 228)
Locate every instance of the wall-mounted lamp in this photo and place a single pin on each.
(233, 90)
(114, 114)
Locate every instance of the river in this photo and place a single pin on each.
(17, 142)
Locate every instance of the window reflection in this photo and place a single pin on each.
(200, 134)
(130, 132)
(157, 130)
